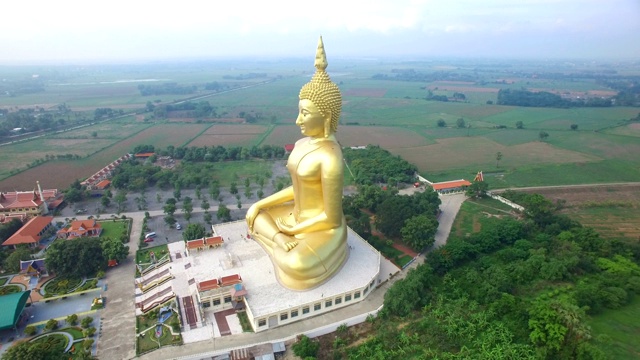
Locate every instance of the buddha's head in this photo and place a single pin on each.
(323, 93)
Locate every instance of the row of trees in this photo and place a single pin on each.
(517, 97)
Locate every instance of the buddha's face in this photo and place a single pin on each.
(310, 119)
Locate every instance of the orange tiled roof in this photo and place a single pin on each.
(450, 184)
(208, 285)
(215, 240)
(28, 234)
(194, 244)
(103, 184)
(230, 280)
(143, 155)
(24, 199)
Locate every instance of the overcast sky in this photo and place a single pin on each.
(121, 30)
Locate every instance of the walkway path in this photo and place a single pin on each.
(117, 336)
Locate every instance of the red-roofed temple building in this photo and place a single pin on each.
(224, 293)
(81, 228)
(446, 187)
(30, 234)
(29, 203)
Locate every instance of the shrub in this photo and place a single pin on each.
(87, 343)
(86, 322)
(52, 324)
(100, 274)
(89, 332)
(306, 347)
(30, 330)
(72, 319)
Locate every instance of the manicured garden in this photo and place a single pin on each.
(9, 289)
(147, 340)
(143, 257)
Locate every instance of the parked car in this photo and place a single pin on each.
(178, 226)
(149, 239)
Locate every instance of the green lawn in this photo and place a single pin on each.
(114, 229)
(622, 329)
(474, 213)
(3, 281)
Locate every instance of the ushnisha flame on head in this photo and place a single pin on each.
(322, 91)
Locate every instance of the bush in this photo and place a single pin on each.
(87, 343)
(86, 322)
(52, 324)
(306, 347)
(89, 332)
(72, 319)
(100, 274)
(30, 330)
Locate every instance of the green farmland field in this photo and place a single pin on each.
(390, 113)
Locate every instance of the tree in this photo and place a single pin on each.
(460, 123)
(207, 217)
(73, 195)
(77, 258)
(169, 220)
(418, 231)
(114, 249)
(205, 205)
(214, 189)
(105, 201)
(187, 208)
(94, 134)
(176, 192)
(574, 126)
(543, 135)
(498, 158)
(233, 188)
(121, 199)
(194, 231)
(441, 123)
(86, 322)
(52, 324)
(12, 262)
(170, 206)
(223, 214)
(519, 125)
(477, 189)
(72, 319)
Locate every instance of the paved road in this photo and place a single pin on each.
(117, 337)
(568, 186)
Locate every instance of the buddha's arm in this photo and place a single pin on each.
(331, 217)
(278, 198)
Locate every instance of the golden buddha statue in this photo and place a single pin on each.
(302, 227)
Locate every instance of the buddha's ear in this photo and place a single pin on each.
(327, 123)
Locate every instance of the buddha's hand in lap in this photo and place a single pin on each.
(287, 230)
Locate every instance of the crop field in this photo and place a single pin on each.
(384, 136)
(230, 135)
(59, 174)
(613, 210)
(391, 113)
(481, 152)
